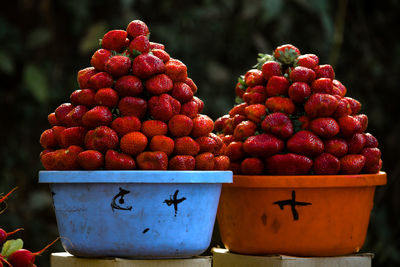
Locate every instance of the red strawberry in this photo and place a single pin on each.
(370, 140)
(118, 66)
(190, 109)
(159, 84)
(263, 145)
(221, 163)
(304, 122)
(114, 40)
(52, 119)
(163, 107)
(277, 85)
(211, 143)
(48, 139)
(90, 160)
(307, 60)
(101, 139)
(57, 133)
(299, 92)
(186, 146)
(68, 158)
(101, 80)
(244, 130)
(124, 125)
(182, 92)
(302, 74)
(99, 59)
(354, 105)
(321, 105)
(255, 95)
(373, 161)
(129, 85)
(202, 126)
(152, 128)
(200, 103)
(204, 161)
(339, 88)
(62, 111)
(305, 143)
(322, 85)
(280, 104)
(119, 161)
(84, 76)
(176, 70)
(152, 160)
(161, 54)
(139, 45)
(162, 143)
(336, 146)
(255, 112)
(106, 97)
(343, 108)
(133, 106)
(278, 124)
(154, 45)
(254, 77)
(271, 68)
(326, 164)
(363, 119)
(182, 163)
(180, 125)
(191, 84)
(239, 89)
(49, 160)
(349, 125)
(238, 110)
(352, 164)
(146, 65)
(219, 123)
(83, 97)
(74, 117)
(252, 166)
(136, 28)
(288, 164)
(325, 71)
(324, 127)
(235, 151)
(287, 54)
(99, 115)
(356, 143)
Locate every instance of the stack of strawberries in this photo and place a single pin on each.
(293, 118)
(135, 109)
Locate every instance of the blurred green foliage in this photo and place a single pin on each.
(44, 43)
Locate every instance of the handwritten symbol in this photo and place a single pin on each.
(175, 201)
(120, 195)
(145, 230)
(293, 203)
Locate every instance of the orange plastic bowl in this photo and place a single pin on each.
(297, 215)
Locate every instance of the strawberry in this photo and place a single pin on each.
(200, 103)
(125, 125)
(271, 68)
(263, 145)
(352, 164)
(129, 85)
(349, 125)
(202, 126)
(97, 116)
(235, 151)
(254, 77)
(62, 111)
(336, 146)
(244, 130)
(163, 107)
(280, 104)
(52, 119)
(320, 105)
(139, 45)
(305, 143)
(204, 161)
(219, 123)
(146, 65)
(182, 163)
(162, 143)
(287, 54)
(277, 85)
(304, 122)
(136, 28)
(99, 59)
(255, 95)
(114, 40)
(161, 54)
(370, 140)
(363, 119)
(373, 161)
(255, 112)
(221, 163)
(307, 60)
(152, 128)
(68, 158)
(326, 164)
(72, 136)
(322, 85)
(186, 146)
(90, 160)
(182, 92)
(57, 133)
(101, 139)
(324, 127)
(356, 143)
(191, 84)
(252, 166)
(133, 143)
(180, 125)
(278, 124)
(211, 143)
(239, 89)
(133, 106)
(325, 71)
(106, 97)
(159, 84)
(84, 76)
(48, 139)
(238, 110)
(354, 105)
(119, 161)
(176, 70)
(74, 117)
(190, 109)
(118, 66)
(154, 45)
(288, 164)
(339, 88)
(83, 97)
(299, 92)
(302, 74)
(101, 80)
(343, 108)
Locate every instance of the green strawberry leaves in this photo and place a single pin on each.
(262, 58)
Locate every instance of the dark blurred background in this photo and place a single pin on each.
(44, 43)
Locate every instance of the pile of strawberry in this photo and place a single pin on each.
(293, 118)
(135, 109)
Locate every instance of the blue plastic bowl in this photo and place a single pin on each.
(136, 214)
